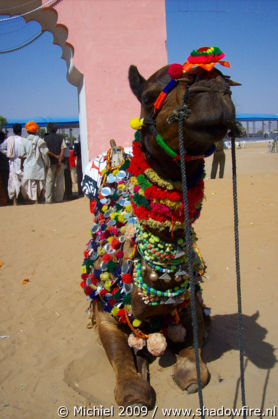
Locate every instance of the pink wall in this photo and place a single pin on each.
(108, 36)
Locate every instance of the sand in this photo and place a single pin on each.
(48, 358)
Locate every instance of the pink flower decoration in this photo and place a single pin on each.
(135, 342)
(156, 344)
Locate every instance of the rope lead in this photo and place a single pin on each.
(180, 117)
(236, 236)
(190, 257)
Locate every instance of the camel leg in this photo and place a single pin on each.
(185, 374)
(131, 388)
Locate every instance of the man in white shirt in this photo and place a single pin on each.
(12, 147)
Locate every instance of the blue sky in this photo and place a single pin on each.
(33, 79)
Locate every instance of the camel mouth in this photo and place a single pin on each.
(214, 131)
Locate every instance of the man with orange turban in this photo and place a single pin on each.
(36, 163)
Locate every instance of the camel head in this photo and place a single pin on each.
(210, 110)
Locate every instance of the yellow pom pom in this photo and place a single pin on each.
(136, 322)
(104, 276)
(134, 181)
(136, 123)
(115, 311)
(107, 285)
(121, 218)
(100, 251)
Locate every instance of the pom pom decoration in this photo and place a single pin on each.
(136, 123)
(136, 342)
(106, 258)
(127, 278)
(115, 243)
(156, 344)
(176, 333)
(175, 71)
(205, 57)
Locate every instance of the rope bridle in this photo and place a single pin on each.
(179, 115)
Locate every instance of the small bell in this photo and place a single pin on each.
(153, 276)
(143, 267)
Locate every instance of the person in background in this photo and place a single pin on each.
(68, 182)
(72, 164)
(77, 152)
(218, 160)
(4, 170)
(36, 161)
(13, 151)
(55, 180)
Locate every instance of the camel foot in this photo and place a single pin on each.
(185, 375)
(134, 391)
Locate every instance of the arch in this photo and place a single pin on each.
(47, 17)
(102, 39)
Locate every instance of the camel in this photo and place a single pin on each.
(135, 269)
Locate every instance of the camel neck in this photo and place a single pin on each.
(158, 202)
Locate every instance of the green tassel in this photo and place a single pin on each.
(127, 299)
(111, 266)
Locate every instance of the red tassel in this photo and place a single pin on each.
(119, 254)
(115, 243)
(127, 278)
(106, 258)
(87, 290)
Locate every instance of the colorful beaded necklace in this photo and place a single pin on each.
(154, 203)
(152, 296)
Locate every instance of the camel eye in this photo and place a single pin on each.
(149, 97)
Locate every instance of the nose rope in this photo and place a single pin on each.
(183, 111)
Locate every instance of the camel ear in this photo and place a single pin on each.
(255, 316)
(234, 83)
(136, 81)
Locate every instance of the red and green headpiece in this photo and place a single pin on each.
(205, 57)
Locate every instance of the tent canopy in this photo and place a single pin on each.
(62, 122)
(257, 117)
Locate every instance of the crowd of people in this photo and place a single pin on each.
(35, 169)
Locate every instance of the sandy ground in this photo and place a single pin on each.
(48, 358)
